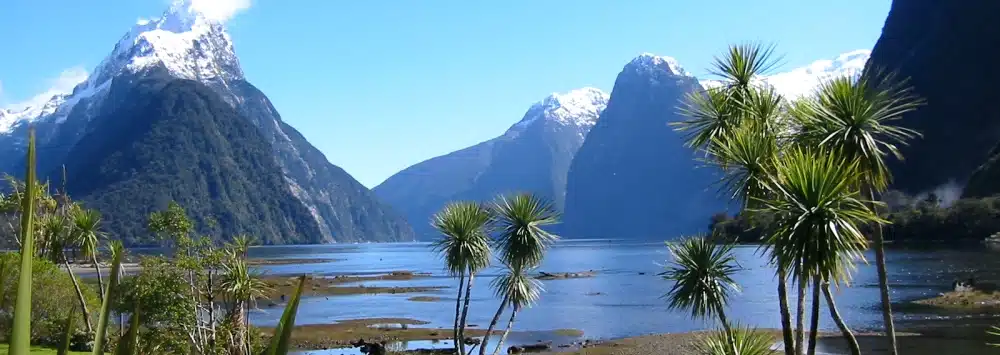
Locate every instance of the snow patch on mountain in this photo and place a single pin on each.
(187, 43)
(577, 108)
(649, 61)
(805, 80)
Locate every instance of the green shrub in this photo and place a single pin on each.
(748, 341)
(162, 291)
(53, 297)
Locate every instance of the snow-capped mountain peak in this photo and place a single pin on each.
(576, 108)
(649, 61)
(184, 41)
(804, 80)
(187, 43)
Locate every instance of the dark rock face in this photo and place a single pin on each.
(949, 51)
(633, 177)
(985, 181)
(191, 147)
(532, 156)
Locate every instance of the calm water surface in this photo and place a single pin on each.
(623, 300)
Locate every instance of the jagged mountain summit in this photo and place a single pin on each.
(185, 45)
(633, 177)
(804, 80)
(533, 155)
(182, 40)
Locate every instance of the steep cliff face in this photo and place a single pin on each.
(190, 147)
(949, 51)
(633, 177)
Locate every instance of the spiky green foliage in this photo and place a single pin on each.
(279, 343)
(67, 338)
(241, 244)
(745, 340)
(465, 240)
(817, 211)
(702, 272)
(522, 241)
(747, 157)
(994, 331)
(711, 116)
(20, 337)
(240, 282)
(744, 63)
(86, 225)
(517, 287)
(110, 293)
(855, 115)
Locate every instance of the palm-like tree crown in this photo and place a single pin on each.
(522, 241)
(465, 242)
(817, 209)
(241, 244)
(702, 272)
(716, 113)
(519, 288)
(854, 114)
(240, 281)
(86, 226)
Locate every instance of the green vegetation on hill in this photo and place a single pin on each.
(926, 220)
(177, 140)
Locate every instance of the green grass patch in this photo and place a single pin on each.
(40, 351)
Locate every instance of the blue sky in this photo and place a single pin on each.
(381, 85)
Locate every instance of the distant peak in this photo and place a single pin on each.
(651, 61)
(804, 80)
(579, 107)
(583, 97)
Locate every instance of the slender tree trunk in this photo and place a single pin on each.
(800, 319)
(883, 281)
(79, 296)
(510, 324)
(100, 279)
(729, 330)
(493, 325)
(238, 330)
(121, 316)
(814, 325)
(786, 318)
(458, 313)
(210, 295)
(465, 309)
(852, 342)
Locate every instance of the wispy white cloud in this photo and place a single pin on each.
(141, 21)
(62, 84)
(219, 10)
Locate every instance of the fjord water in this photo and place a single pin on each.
(623, 299)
